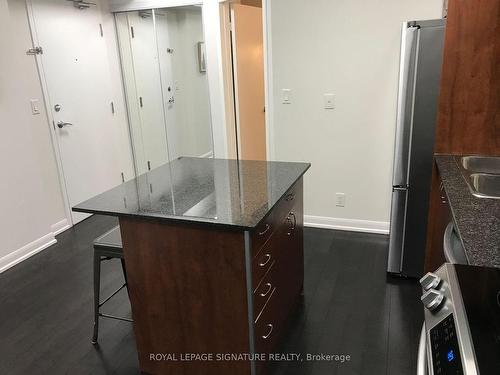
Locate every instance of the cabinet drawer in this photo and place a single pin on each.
(270, 254)
(263, 263)
(268, 324)
(264, 289)
(272, 223)
(262, 233)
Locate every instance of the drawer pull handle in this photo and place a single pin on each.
(267, 291)
(266, 258)
(265, 230)
(265, 337)
(293, 223)
(290, 197)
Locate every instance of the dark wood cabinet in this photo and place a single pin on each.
(468, 120)
(200, 289)
(469, 115)
(438, 221)
(283, 282)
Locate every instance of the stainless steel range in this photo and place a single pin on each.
(461, 333)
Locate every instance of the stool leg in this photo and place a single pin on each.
(97, 290)
(124, 273)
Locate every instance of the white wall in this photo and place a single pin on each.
(30, 197)
(351, 49)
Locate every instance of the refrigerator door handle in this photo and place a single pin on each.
(409, 42)
(397, 230)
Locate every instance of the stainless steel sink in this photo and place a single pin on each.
(486, 185)
(482, 174)
(481, 164)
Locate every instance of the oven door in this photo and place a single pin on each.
(422, 365)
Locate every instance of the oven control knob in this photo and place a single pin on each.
(432, 299)
(430, 281)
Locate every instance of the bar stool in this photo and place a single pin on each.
(106, 247)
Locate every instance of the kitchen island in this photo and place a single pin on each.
(214, 256)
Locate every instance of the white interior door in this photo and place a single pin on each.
(94, 149)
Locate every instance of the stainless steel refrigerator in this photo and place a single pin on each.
(419, 78)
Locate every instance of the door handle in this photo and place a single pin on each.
(62, 124)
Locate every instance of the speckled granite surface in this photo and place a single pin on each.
(217, 192)
(476, 219)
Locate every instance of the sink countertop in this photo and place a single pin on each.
(476, 219)
(219, 192)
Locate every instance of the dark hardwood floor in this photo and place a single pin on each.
(350, 307)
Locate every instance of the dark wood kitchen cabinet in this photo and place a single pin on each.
(278, 274)
(468, 120)
(469, 112)
(438, 221)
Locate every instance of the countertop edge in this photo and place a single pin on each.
(186, 220)
(474, 218)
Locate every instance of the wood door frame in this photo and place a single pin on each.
(228, 49)
(48, 112)
(228, 82)
(234, 80)
(268, 79)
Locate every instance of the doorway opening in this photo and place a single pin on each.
(243, 69)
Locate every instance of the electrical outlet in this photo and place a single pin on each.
(340, 199)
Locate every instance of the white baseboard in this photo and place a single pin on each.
(367, 226)
(208, 154)
(17, 256)
(60, 227)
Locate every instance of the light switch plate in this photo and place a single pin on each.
(286, 96)
(329, 101)
(35, 106)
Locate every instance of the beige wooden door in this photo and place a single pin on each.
(248, 60)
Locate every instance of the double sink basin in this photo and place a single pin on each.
(482, 174)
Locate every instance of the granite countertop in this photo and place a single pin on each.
(476, 219)
(219, 192)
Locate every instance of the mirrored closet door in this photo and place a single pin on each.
(164, 72)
